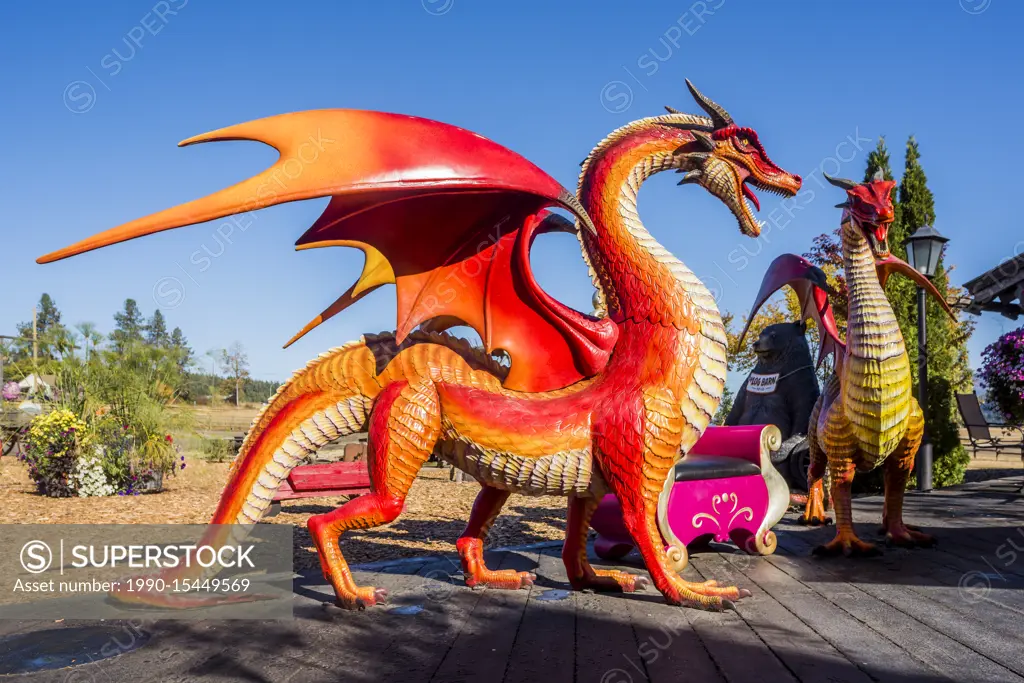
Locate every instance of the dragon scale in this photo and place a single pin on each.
(876, 383)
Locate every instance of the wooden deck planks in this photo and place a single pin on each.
(483, 645)
(545, 646)
(808, 656)
(932, 647)
(870, 651)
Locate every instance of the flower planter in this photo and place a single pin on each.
(151, 483)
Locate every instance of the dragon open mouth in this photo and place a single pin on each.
(877, 239)
(748, 192)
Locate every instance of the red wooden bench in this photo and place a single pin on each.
(318, 481)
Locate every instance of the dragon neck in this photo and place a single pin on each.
(638, 278)
(872, 329)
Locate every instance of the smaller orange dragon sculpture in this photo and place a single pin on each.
(867, 416)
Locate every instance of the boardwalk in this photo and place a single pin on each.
(953, 613)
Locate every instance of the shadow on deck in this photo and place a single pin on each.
(950, 613)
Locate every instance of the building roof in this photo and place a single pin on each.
(1000, 290)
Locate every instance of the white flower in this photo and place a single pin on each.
(90, 478)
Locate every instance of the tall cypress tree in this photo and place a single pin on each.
(947, 360)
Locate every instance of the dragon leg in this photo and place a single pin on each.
(841, 446)
(814, 512)
(641, 521)
(404, 425)
(846, 541)
(582, 576)
(471, 549)
(898, 467)
(636, 464)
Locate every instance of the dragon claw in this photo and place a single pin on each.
(729, 605)
(814, 520)
(908, 537)
(847, 546)
(507, 579)
(605, 580)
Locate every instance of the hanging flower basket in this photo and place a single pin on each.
(1002, 373)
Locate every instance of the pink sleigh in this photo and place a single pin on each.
(726, 488)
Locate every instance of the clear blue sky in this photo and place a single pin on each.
(91, 134)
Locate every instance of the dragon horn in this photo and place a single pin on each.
(879, 175)
(719, 115)
(844, 183)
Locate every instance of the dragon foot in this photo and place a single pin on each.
(471, 552)
(814, 519)
(360, 599)
(904, 536)
(507, 579)
(708, 595)
(814, 511)
(849, 545)
(603, 580)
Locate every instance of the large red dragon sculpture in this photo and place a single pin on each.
(588, 404)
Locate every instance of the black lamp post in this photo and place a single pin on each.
(923, 250)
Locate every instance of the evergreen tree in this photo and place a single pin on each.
(130, 325)
(156, 331)
(724, 407)
(947, 361)
(47, 317)
(182, 350)
(52, 338)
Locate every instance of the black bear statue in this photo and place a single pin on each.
(781, 390)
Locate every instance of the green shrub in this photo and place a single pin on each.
(217, 450)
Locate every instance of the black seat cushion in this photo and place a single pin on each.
(694, 467)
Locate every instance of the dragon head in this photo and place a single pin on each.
(728, 161)
(868, 210)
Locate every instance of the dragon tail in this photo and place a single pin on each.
(330, 397)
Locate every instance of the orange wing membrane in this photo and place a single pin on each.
(446, 215)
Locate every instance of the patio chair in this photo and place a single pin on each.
(979, 429)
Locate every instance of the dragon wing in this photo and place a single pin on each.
(446, 215)
(812, 290)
